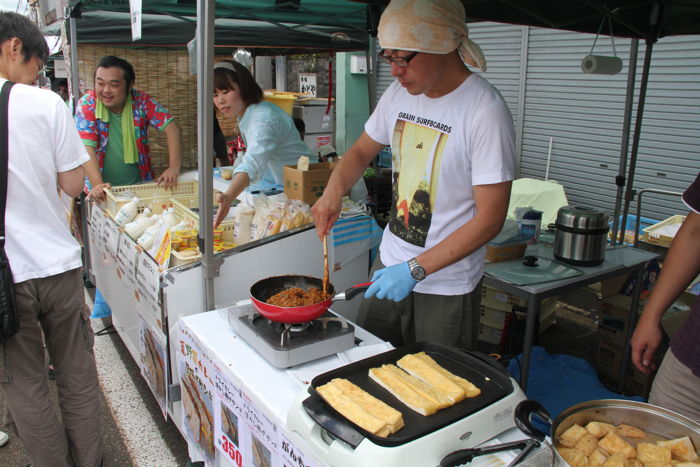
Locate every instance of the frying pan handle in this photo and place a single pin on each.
(352, 292)
(524, 411)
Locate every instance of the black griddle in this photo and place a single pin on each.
(484, 372)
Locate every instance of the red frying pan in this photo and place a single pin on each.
(262, 290)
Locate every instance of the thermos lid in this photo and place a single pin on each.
(582, 217)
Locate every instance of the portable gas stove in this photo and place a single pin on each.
(285, 345)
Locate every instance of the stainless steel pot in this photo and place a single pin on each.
(657, 422)
(581, 235)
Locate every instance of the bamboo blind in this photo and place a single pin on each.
(164, 74)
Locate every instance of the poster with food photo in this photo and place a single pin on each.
(154, 368)
(196, 391)
(231, 433)
(264, 435)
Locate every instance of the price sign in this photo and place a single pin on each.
(97, 221)
(307, 84)
(148, 277)
(126, 257)
(230, 450)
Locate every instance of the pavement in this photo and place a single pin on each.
(135, 432)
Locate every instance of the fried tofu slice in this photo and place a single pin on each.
(469, 388)
(653, 454)
(353, 411)
(616, 460)
(658, 464)
(629, 431)
(587, 444)
(634, 463)
(599, 429)
(573, 457)
(597, 458)
(414, 366)
(571, 435)
(682, 449)
(685, 464)
(614, 444)
(403, 391)
(420, 387)
(371, 404)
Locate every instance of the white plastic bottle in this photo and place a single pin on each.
(182, 225)
(170, 217)
(146, 240)
(127, 212)
(145, 213)
(137, 227)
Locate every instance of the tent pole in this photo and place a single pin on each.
(205, 145)
(74, 81)
(629, 194)
(625, 141)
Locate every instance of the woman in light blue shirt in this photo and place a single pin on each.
(271, 138)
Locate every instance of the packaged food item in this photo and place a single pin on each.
(218, 233)
(145, 213)
(137, 227)
(170, 218)
(146, 240)
(127, 212)
(242, 222)
(175, 243)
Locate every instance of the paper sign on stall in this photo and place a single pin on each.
(152, 349)
(197, 393)
(230, 431)
(263, 434)
(126, 258)
(148, 277)
(291, 455)
(97, 221)
(135, 10)
(111, 237)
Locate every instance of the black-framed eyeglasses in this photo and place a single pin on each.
(398, 61)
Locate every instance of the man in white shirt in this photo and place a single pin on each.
(452, 143)
(45, 153)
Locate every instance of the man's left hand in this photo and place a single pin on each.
(169, 178)
(393, 283)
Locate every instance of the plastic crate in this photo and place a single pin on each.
(629, 225)
(659, 234)
(183, 211)
(148, 193)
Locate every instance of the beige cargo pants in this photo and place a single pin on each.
(56, 305)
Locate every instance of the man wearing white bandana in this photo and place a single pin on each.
(453, 154)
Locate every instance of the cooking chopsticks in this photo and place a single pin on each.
(325, 265)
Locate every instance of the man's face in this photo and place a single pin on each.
(110, 88)
(423, 75)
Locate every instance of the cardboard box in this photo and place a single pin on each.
(614, 312)
(306, 185)
(638, 383)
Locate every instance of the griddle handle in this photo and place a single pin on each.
(486, 359)
(523, 413)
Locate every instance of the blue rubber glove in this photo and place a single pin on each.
(393, 283)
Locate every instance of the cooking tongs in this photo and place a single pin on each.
(464, 456)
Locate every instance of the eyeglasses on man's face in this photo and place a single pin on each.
(398, 61)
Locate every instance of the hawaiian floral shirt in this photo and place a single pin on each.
(147, 112)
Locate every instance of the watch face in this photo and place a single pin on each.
(418, 273)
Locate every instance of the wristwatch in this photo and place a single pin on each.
(417, 271)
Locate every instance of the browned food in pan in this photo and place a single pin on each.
(296, 296)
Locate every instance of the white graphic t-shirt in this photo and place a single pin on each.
(441, 147)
